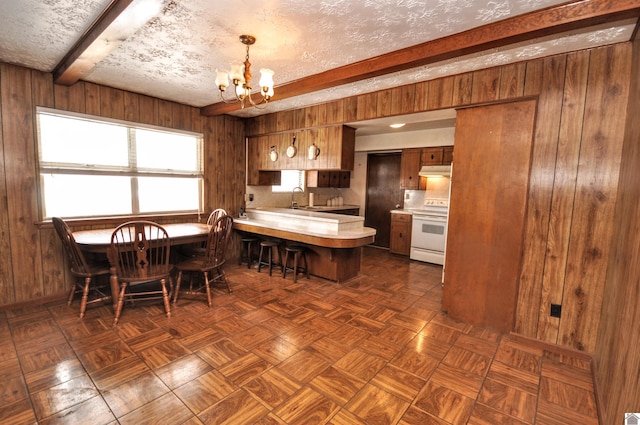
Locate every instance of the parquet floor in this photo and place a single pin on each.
(374, 350)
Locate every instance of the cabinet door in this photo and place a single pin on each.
(431, 156)
(271, 142)
(345, 179)
(400, 240)
(286, 141)
(447, 155)
(409, 167)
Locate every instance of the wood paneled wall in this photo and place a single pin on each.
(582, 101)
(582, 224)
(32, 264)
(618, 344)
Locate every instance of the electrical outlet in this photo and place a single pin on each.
(556, 310)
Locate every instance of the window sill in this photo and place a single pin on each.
(116, 220)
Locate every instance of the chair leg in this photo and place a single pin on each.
(306, 269)
(224, 278)
(260, 258)
(165, 297)
(118, 310)
(284, 264)
(72, 293)
(208, 288)
(249, 246)
(85, 296)
(295, 267)
(177, 288)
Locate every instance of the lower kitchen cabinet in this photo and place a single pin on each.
(400, 240)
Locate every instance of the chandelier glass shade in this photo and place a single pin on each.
(240, 76)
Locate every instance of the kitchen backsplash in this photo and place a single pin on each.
(264, 197)
(437, 188)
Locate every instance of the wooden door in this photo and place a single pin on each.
(487, 208)
(383, 194)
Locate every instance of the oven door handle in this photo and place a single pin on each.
(433, 218)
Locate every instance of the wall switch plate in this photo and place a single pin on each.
(556, 310)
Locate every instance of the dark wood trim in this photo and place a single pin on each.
(541, 23)
(113, 25)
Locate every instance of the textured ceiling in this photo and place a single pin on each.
(174, 56)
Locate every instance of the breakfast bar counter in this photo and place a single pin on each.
(334, 242)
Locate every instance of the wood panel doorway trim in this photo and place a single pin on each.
(489, 189)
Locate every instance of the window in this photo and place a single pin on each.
(95, 168)
(289, 180)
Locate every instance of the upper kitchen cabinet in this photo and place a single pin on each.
(321, 178)
(439, 155)
(431, 156)
(415, 158)
(318, 148)
(330, 148)
(409, 167)
(447, 155)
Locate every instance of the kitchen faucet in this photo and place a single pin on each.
(294, 204)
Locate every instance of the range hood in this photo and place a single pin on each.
(435, 171)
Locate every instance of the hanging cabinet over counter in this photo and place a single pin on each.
(335, 144)
(414, 158)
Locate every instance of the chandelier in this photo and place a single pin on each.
(240, 76)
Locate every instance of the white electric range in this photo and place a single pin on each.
(429, 231)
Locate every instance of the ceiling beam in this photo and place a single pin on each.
(545, 22)
(120, 20)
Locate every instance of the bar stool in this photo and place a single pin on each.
(299, 253)
(247, 250)
(269, 246)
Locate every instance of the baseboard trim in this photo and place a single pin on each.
(35, 302)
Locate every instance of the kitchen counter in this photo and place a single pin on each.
(322, 229)
(330, 208)
(334, 241)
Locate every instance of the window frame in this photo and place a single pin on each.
(281, 188)
(131, 170)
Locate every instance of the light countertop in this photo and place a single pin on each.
(310, 223)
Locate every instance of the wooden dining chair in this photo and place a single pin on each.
(85, 272)
(140, 250)
(210, 264)
(215, 215)
(194, 250)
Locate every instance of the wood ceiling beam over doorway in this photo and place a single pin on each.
(545, 22)
(120, 20)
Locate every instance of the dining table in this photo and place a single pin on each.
(99, 241)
